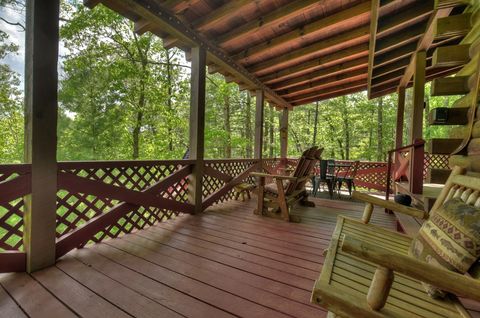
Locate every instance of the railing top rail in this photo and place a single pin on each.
(120, 163)
(417, 143)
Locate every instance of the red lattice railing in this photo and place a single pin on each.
(370, 175)
(434, 161)
(104, 199)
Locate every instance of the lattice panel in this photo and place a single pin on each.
(434, 161)
(231, 168)
(370, 175)
(75, 209)
(11, 213)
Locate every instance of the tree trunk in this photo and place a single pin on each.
(227, 128)
(272, 143)
(248, 127)
(346, 128)
(315, 126)
(380, 153)
(169, 102)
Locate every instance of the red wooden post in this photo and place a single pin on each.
(41, 85)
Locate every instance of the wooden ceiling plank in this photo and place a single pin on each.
(178, 6)
(407, 36)
(341, 56)
(325, 83)
(162, 17)
(374, 15)
(395, 55)
(392, 67)
(425, 42)
(303, 31)
(346, 91)
(278, 16)
(322, 73)
(416, 13)
(359, 35)
(326, 91)
(212, 17)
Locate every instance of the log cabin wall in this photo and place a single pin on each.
(464, 114)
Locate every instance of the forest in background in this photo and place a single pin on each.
(123, 96)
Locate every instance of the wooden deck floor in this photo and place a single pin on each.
(224, 263)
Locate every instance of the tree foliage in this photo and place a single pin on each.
(123, 96)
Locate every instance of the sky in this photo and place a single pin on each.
(16, 36)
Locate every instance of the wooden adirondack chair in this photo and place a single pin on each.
(368, 272)
(275, 199)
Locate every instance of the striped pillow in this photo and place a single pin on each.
(449, 239)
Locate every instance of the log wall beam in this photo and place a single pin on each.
(425, 42)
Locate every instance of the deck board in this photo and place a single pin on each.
(226, 262)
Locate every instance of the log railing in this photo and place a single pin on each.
(104, 199)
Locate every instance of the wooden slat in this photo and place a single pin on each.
(425, 42)
(453, 55)
(375, 12)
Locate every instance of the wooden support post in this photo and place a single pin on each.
(257, 149)
(400, 115)
(416, 127)
(41, 103)
(284, 136)
(259, 126)
(197, 126)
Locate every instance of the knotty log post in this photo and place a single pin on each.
(197, 126)
(284, 136)
(41, 102)
(258, 146)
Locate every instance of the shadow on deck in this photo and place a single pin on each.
(224, 263)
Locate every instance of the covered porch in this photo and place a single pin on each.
(166, 237)
(226, 262)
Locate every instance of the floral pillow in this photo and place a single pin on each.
(449, 239)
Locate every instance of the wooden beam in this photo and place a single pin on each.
(411, 34)
(341, 92)
(315, 50)
(414, 14)
(276, 17)
(374, 14)
(451, 3)
(395, 55)
(162, 17)
(400, 116)
(284, 135)
(309, 96)
(41, 105)
(321, 26)
(391, 67)
(325, 83)
(416, 121)
(197, 127)
(206, 21)
(425, 42)
(142, 26)
(338, 69)
(258, 142)
(341, 56)
(178, 6)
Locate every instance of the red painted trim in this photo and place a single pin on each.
(83, 234)
(15, 188)
(12, 261)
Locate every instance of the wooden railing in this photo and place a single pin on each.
(370, 175)
(407, 162)
(104, 199)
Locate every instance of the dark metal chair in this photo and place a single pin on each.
(326, 176)
(348, 178)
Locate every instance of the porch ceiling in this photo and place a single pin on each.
(298, 51)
